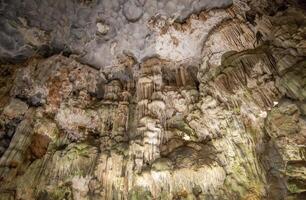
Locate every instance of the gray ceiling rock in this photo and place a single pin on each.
(97, 31)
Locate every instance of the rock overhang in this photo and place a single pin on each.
(97, 32)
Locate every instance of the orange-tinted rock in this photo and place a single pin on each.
(39, 145)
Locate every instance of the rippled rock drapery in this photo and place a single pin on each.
(216, 111)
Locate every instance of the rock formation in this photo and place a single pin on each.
(139, 99)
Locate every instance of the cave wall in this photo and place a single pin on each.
(217, 111)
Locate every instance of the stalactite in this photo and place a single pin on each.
(201, 100)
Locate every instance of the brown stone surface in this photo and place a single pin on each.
(218, 113)
(39, 145)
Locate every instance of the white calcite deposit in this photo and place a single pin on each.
(151, 99)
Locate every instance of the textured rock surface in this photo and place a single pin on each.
(74, 26)
(187, 103)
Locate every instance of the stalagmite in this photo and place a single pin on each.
(148, 99)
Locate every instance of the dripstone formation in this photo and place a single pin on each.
(136, 99)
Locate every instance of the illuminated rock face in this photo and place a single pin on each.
(211, 107)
